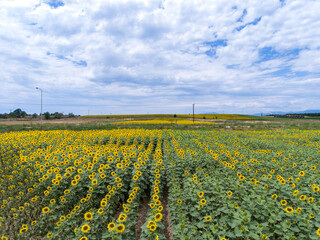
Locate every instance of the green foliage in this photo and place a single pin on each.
(47, 115)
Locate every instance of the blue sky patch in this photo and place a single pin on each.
(214, 45)
(269, 53)
(77, 63)
(55, 3)
(244, 13)
(233, 66)
(254, 22)
(80, 63)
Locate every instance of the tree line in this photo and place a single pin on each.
(19, 113)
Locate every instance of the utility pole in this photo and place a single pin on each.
(193, 112)
(41, 103)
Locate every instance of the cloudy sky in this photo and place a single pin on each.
(153, 56)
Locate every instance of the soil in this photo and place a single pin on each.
(166, 215)
(143, 210)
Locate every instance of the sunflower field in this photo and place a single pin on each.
(160, 184)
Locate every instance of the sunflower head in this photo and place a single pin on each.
(85, 228)
(45, 210)
(158, 217)
(289, 209)
(120, 228)
(200, 194)
(203, 201)
(111, 226)
(88, 216)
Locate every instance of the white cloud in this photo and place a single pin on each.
(154, 53)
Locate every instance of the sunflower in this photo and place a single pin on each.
(94, 182)
(203, 201)
(303, 197)
(49, 235)
(111, 226)
(179, 201)
(153, 228)
(119, 165)
(311, 215)
(236, 206)
(83, 238)
(85, 228)
(135, 177)
(208, 218)
(74, 182)
(318, 231)
(296, 192)
(310, 199)
(283, 202)
(121, 218)
(298, 210)
(289, 209)
(88, 216)
(200, 194)
(158, 217)
(45, 210)
(316, 189)
(120, 228)
(229, 193)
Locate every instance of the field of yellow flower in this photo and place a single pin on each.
(163, 121)
(152, 116)
(198, 184)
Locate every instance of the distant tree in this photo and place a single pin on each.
(175, 115)
(34, 115)
(57, 115)
(47, 115)
(71, 115)
(204, 117)
(4, 115)
(18, 113)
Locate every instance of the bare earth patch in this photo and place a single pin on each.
(143, 210)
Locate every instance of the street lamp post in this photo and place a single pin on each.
(41, 104)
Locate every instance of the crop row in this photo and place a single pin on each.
(195, 184)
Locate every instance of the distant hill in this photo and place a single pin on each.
(283, 113)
